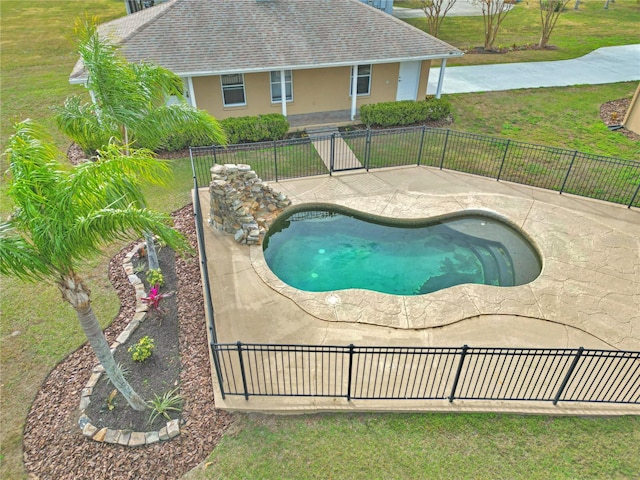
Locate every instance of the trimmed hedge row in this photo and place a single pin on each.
(406, 112)
(273, 126)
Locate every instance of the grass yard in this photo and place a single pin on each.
(576, 33)
(567, 117)
(37, 329)
(405, 446)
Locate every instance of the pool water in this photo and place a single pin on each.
(323, 250)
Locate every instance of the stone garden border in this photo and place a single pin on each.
(123, 437)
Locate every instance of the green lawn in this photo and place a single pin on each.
(576, 33)
(408, 446)
(37, 329)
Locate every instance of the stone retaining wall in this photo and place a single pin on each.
(241, 204)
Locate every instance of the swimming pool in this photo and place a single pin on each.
(326, 248)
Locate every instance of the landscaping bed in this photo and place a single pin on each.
(54, 446)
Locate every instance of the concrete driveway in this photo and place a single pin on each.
(604, 65)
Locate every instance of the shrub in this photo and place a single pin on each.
(406, 112)
(184, 137)
(155, 277)
(273, 126)
(142, 350)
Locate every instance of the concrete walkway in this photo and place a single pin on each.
(344, 158)
(604, 65)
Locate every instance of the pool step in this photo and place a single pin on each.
(496, 265)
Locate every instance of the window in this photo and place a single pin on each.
(364, 80)
(275, 86)
(233, 90)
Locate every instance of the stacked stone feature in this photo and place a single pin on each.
(241, 204)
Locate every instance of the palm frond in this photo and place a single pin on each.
(80, 122)
(19, 258)
(108, 224)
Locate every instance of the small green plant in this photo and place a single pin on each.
(155, 277)
(111, 400)
(142, 350)
(162, 405)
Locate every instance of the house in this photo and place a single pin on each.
(295, 57)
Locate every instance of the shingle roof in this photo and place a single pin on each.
(208, 37)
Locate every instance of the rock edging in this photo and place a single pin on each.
(123, 437)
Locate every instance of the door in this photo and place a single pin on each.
(408, 80)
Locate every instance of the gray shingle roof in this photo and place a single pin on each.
(208, 37)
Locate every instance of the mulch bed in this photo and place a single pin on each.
(612, 113)
(154, 376)
(54, 447)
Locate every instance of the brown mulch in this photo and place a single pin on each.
(54, 447)
(612, 113)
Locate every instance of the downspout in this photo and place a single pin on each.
(443, 65)
(283, 93)
(192, 92)
(354, 91)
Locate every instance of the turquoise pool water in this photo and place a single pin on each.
(323, 249)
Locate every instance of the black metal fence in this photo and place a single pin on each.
(419, 373)
(565, 171)
(429, 373)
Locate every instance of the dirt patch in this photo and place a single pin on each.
(53, 445)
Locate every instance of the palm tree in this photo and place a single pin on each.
(129, 103)
(64, 216)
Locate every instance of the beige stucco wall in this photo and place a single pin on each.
(632, 118)
(424, 79)
(317, 90)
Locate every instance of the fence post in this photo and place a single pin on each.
(503, 159)
(351, 347)
(332, 153)
(367, 150)
(244, 377)
(275, 158)
(634, 196)
(568, 375)
(216, 364)
(455, 380)
(568, 172)
(424, 128)
(444, 149)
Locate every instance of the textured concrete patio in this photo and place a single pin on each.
(588, 293)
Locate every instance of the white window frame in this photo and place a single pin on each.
(360, 75)
(275, 83)
(233, 86)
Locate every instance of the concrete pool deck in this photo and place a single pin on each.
(588, 293)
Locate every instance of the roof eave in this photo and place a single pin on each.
(272, 68)
(204, 73)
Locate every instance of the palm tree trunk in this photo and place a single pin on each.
(75, 292)
(152, 255)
